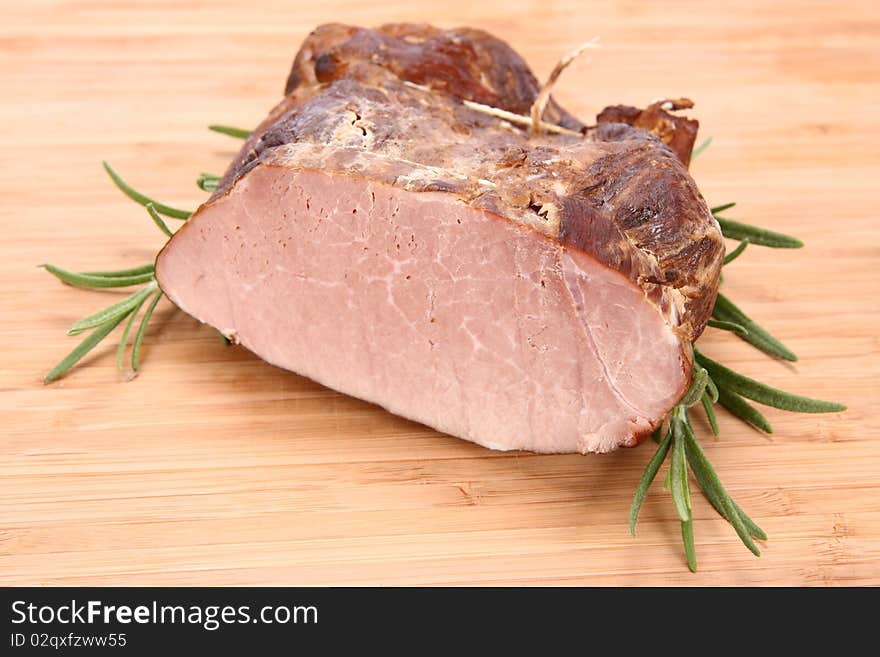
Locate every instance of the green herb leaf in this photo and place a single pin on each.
(737, 252)
(647, 479)
(119, 273)
(151, 210)
(99, 279)
(120, 350)
(743, 409)
(760, 236)
(229, 130)
(726, 311)
(82, 349)
(207, 182)
(699, 149)
(139, 338)
(733, 327)
(721, 208)
(710, 413)
(712, 390)
(137, 197)
(750, 524)
(687, 537)
(112, 312)
(678, 482)
(764, 394)
(698, 385)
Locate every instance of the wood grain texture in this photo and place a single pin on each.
(212, 467)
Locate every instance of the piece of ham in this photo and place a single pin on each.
(380, 236)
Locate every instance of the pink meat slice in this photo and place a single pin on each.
(447, 314)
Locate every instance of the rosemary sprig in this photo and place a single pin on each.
(686, 455)
(104, 321)
(239, 133)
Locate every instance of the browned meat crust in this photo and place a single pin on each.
(387, 104)
(678, 132)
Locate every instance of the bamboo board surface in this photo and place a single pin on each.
(212, 467)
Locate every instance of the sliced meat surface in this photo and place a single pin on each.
(442, 313)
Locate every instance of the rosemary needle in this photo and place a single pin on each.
(721, 208)
(733, 327)
(137, 197)
(764, 394)
(122, 278)
(151, 209)
(240, 133)
(687, 537)
(207, 182)
(139, 338)
(743, 410)
(699, 149)
(711, 389)
(120, 350)
(119, 309)
(133, 271)
(681, 497)
(698, 384)
(726, 311)
(710, 413)
(761, 236)
(737, 252)
(647, 479)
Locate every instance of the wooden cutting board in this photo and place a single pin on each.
(212, 467)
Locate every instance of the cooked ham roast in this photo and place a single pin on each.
(522, 290)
